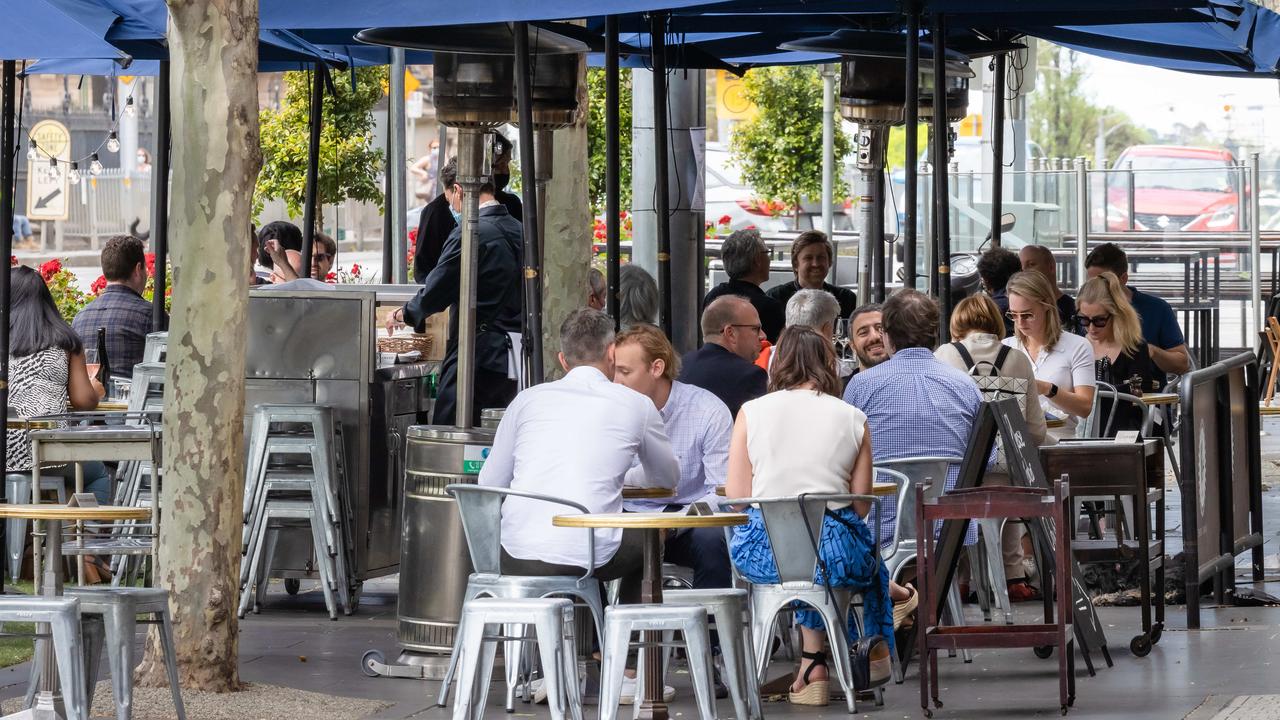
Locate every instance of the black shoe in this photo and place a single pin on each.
(722, 691)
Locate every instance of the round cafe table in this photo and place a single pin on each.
(652, 705)
(47, 522)
(877, 489)
(1153, 399)
(633, 492)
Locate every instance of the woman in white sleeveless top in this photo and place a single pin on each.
(802, 438)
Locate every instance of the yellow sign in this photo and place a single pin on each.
(970, 126)
(411, 84)
(731, 98)
(47, 183)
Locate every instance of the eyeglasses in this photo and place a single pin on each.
(753, 328)
(321, 258)
(1020, 316)
(1099, 322)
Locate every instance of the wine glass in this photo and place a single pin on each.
(842, 337)
(91, 361)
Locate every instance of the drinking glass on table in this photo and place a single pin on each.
(91, 361)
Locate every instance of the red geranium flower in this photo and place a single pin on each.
(331, 277)
(355, 270)
(13, 261)
(151, 264)
(50, 268)
(725, 219)
(97, 285)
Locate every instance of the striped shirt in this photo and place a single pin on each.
(699, 427)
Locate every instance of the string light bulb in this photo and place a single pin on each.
(113, 142)
(129, 109)
(32, 153)
(74, 175)
(53, 162)
(95, 165)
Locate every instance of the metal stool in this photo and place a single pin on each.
(552, 619)
(119, 609)
(259, 560)
(728, 607)
(480, 509)
(621, 621)
(18, 491)
(157, 347)
(62, 614)
(986, 570)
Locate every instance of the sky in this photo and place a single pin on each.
(1158, 98)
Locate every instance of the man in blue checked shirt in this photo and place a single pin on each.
(916, 406)
(698, 425)
(120, 308)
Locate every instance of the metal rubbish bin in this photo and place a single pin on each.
(434, 563)
(490, 417)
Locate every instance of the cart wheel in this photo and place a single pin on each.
(368, 660)
(1064, 709)
(1140, 645)
(927, 712)
(291, 585)
(1071, 701)
(1044, 652)
(1156, 631)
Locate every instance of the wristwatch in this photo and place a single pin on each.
(1053, 390)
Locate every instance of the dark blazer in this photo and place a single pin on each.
(498, 292)
(727, 376)
(434, 226)
(846, 297)
(772, 313)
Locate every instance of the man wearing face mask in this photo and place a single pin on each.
(499, 243)
(436, 222)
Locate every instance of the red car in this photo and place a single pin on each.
(1176, 189)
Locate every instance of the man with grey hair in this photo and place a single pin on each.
(746, 262)
(817, 309)
(575, 439)
(637, 296)
(597, 292)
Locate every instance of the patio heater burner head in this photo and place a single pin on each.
(554, 88)
(872, 90)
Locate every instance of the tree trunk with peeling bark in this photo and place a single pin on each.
(213, 46)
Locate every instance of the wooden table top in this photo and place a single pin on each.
(636, 493)
(1160, 399)
(16, 423)
(113, 405)
(877, 489)
(1055, 422)
(649, 521)
(1268, 409)
(62, 512)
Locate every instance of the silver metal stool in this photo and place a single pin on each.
(119, 609)
(728, 607)
(259, 560)
(18, 491)
(621, 621)
(62, 615)
(552, 620)
(480, 509)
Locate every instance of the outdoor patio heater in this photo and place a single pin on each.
(474, 93)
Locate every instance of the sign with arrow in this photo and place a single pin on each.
(46, 182)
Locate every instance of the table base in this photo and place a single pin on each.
(43, 710)
(652, 707)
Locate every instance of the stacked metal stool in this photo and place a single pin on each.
(296, 481)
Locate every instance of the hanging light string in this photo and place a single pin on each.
(90, 162)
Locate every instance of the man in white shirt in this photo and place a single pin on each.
(575, 439)
(699, 427)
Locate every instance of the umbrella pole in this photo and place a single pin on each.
(657, 30)
(942, 196)
(613, 169)
(160, 199)
(394, 247)
(912, 167)
(997, 149)
(7, 153)
(532, 331)
(313, 169)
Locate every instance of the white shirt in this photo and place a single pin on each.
(1069, 365)
(699, 426)
(802, 441)
(298, 284)
(573, 439)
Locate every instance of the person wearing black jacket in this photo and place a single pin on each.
(499, 241)
(746, 262)
(725, 364)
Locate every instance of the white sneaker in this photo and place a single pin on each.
(628, 694)
(539, 691)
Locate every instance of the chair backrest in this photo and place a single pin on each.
(146, 393)
(918, 471)
(794, 527)
(480, 508)
(879, 473)
(157, 347)
(1100, 426)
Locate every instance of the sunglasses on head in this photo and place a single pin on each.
(1099, 322)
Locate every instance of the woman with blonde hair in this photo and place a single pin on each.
(801, 438)
(1121, 355)
(1063, 362)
